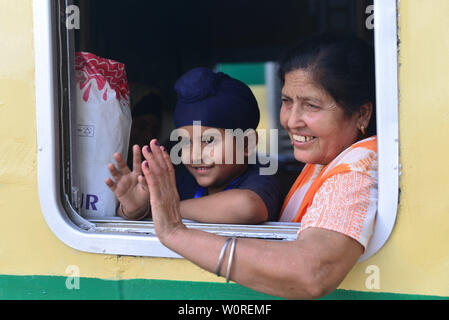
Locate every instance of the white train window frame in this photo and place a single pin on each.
(117, 236)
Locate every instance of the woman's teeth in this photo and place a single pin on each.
(303, 138)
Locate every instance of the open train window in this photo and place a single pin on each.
(158, 42)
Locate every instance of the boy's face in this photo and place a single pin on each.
(212, 156)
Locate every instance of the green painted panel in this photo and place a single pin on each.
(362, 295)
(54, 287)
(249, 73)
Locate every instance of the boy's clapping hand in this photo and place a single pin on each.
(129, 187)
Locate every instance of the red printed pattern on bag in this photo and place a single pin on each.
(103, 71)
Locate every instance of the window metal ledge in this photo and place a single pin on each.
(268, 230)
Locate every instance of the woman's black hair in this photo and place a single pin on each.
(342, 65)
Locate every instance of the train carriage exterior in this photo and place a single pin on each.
(412, 262)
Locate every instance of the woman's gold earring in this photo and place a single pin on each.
(362, 128)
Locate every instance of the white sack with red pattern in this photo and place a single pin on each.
(103, 125)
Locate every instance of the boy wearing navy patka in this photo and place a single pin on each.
(215, 183)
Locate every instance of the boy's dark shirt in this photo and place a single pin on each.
(265, 186)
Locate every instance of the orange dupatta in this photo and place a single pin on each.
(358, 157)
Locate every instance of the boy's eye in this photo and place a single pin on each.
(208, 140)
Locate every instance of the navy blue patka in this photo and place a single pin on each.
(216, 100)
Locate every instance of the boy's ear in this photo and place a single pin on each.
(251, 141)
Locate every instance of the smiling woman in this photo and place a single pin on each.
(327, 104)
